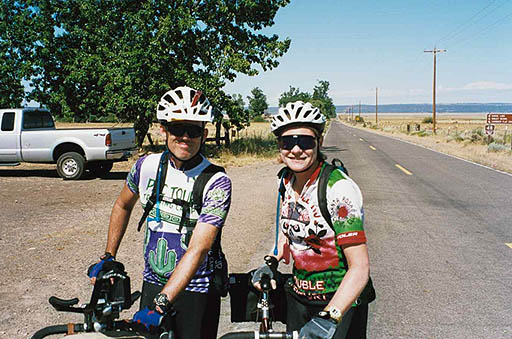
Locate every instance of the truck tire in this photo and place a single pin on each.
(71, 166)
(100, 168)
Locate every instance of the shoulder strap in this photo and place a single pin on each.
(322, 186)
(325, 173)
(158, 186)
(200, 183)
(283, 172)
(198, 191)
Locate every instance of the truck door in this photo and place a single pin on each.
(9, 138)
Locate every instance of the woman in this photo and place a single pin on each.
(331, 266)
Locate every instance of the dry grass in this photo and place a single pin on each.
(453, 136)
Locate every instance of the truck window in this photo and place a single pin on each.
(37, 119)
(8, 121)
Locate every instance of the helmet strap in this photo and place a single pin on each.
(186, 163)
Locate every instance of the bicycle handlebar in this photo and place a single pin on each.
(258, 335)
(76, 328)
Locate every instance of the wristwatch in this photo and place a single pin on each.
(332, 313)
(162, 302)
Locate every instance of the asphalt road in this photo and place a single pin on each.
(440, 238)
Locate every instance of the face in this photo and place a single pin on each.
(296, 158)
(181, 144)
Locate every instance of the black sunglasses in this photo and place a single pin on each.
(179, 130)
(305, 142)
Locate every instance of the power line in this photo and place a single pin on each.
(485, 29)
(462, 27)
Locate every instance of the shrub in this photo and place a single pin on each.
(262, 145)
(495, 147)
(428, 120)
(258, 118)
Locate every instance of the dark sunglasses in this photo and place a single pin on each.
(305, 142)
(179, 130)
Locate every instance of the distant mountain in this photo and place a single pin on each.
(424, 108)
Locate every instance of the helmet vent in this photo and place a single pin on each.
(169, 99)
(287, 113)
(297, 114)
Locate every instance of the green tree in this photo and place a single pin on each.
(14, 51)
(320, 98)
(293, 94)
(257, 103)
(117, 57)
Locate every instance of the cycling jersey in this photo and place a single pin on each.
(165, 243)
(319, 263)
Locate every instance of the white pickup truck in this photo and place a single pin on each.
(29, 135)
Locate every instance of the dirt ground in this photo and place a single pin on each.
(52, 230)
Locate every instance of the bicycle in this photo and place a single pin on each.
(111, 294)
(264, 307)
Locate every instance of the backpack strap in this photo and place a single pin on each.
(158, 186)
(325, 173)
(283, 172)
(198, 191)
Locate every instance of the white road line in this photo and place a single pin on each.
(373, 148)
(403, 169)
(509, 244)
(361, 139)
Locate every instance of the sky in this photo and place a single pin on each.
(360, 45)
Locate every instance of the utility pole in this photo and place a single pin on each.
(435, 51)
(376, 104)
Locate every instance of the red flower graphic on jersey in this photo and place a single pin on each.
(343, 212)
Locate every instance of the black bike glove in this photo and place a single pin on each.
(269, 268)
(318, 328)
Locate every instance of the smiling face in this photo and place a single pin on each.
(184, 147)
(297, 159)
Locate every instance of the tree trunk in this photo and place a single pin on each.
(226, 137)
(217, 133)
(141, 127)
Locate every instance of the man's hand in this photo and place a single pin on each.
(151, 319)
(318, 328)
(269, 268)
(94, 269)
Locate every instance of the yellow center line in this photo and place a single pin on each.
(373, 148)
(403, 169)
(509, 244)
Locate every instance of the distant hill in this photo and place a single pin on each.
(424, 108)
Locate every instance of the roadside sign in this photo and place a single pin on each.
(499, 118)
(489, 129)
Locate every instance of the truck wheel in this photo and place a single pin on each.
(100, 168)
(71, 166)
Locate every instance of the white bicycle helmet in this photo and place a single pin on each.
(184, 103)
(297, 113)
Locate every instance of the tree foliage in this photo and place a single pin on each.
(14, 46)
(320, 98)
(116, 57)
(257, 103)
(293, 94)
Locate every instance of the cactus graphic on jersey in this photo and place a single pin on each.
(162, 261)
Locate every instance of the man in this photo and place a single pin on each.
(179, 238)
